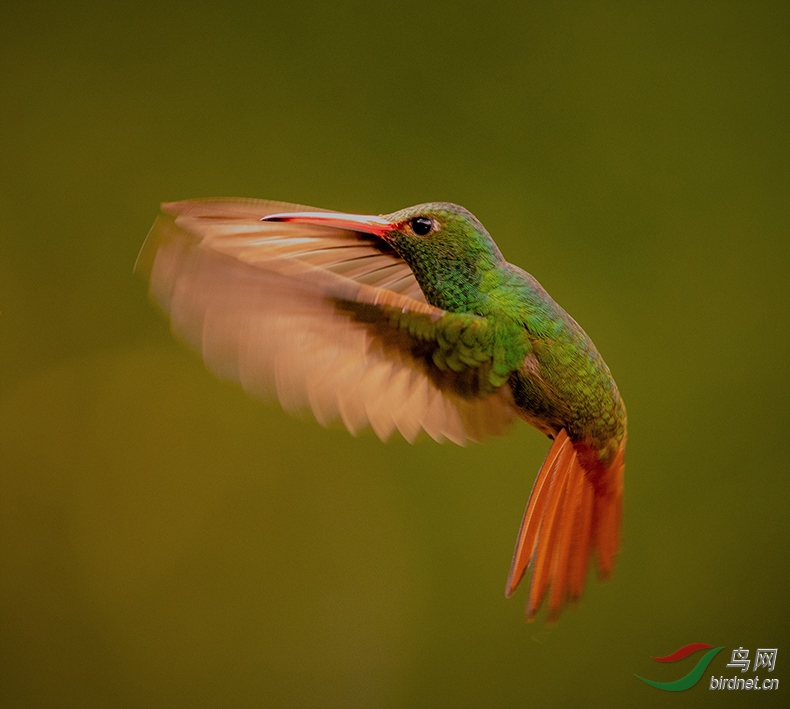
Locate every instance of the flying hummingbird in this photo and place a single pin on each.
(411, 321)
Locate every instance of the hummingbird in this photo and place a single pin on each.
(411, 322)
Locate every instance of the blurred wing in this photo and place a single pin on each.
(233, 226)
(276, 307)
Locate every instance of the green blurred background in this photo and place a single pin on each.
(167, 542)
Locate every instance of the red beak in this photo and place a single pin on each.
(356, 222)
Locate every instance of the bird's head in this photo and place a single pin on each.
(445, 245)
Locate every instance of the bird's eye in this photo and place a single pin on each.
(422, 226)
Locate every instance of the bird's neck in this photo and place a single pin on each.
(493, 287)
(458, 286)
(457, 276)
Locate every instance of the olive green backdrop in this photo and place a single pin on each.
(167, 542)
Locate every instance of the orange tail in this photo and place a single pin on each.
(570, 512)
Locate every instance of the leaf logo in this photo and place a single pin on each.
(689, 680)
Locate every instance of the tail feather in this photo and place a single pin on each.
(607, 518)
(570, 513)
(567, 540)
(530, 524)
(548, 536)
(580, 554)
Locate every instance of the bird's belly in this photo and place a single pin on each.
(596, 421)
(536, 404)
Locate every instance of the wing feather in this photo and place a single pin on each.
(233, 226)
(259, 300)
